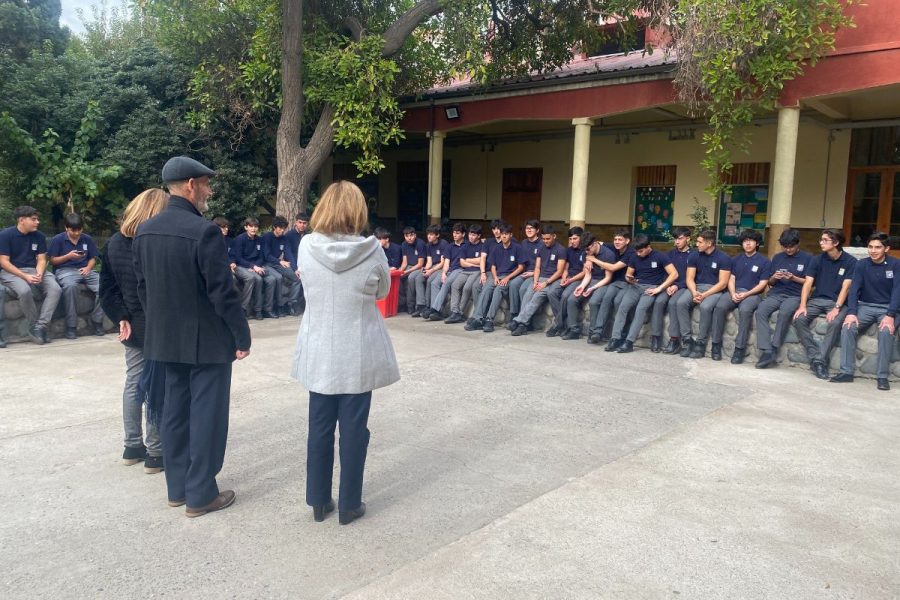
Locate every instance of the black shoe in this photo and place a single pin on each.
(71, 333)
(572, 334)
(655, 344)
(425, 313)
(766, 359)
(37, 334)
(320, 511)
(511, 326)
(737, 357)
(488, 326)
(698, 349)
(715, 352)
(435, 316)
(153, 465)
(98, 330)
(552, 332)
(594, 338)
(348, 516)
(259, 316)
(133, 456)
(271, 315)
(613, 345)
(687, 344)
(419, 312)
(883, 384)
(473, 324)
(842, 378)
(819, 369)
(454, 318)
(673, 347)
(626, 347)
(519, 329)
(2, 340)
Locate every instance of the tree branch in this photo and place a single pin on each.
(355, 27)
(397, 33)
(291, 73)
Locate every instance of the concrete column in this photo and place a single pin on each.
(435, 175)
(783, 178)
(580, 164)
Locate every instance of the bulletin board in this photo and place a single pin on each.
(653, 208)
(745, 207)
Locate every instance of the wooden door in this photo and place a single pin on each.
(521, 200)
(872, 204)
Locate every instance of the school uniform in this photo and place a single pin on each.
(534, 300)
(611, 298)
(467, 284)
(278, 249)
(394, 255)
(708, 267)
(524, 281)
(874, 294)
(784, 297)
(23, 250)
(606, 254)
(412, 252)
(424, 285)
(504, 260)
(678, 258)
(68, 276)
(748, 272)
(649, 272)
(259, 291)
(828, 277)
(440, 287)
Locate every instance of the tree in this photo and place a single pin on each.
(28, 25)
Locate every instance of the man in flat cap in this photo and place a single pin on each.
(196, 328)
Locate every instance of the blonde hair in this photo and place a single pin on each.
(341, 210)
(148, 203)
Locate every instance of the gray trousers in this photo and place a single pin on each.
(675, 328)
(440, 291)
(424, 286)
(2, 305)
(605, 304)
(627, 300)
(490, 298)
(534, 300)
(465, 287)
(256, 286)
(745, 308)
(685, 305)
(68, 280)
(786, 307)
(803, 326)
(868, 315)
(132, 406)
(518, 289)
(289, 279)
(415, 297)
(638, 299)
(24, 292)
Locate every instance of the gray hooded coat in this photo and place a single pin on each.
(343, 346)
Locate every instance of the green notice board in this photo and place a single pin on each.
(653, 211)
(746, 207)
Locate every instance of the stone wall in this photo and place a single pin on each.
(16, 327)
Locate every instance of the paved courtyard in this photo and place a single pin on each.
(499, 467)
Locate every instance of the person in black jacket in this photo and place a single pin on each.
(195, 325)
(119, 300)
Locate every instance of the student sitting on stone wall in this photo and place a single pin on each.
(73, 255)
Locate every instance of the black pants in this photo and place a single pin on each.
(195, 430)
(352, 412)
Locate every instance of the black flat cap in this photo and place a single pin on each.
(182, 168)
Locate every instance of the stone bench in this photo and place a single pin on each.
(16, 327)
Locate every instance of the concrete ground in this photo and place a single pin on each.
(499, 467)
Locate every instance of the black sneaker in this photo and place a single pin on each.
(269, 315)
(259, 316)
(519, 328)
(133, 456)
(37, 335)
(594, 338)
(488, 326)
(454, 318)
(98, 330)
(435, 316)
(473, 324)
(71, 333)
(571, 334)
(153, 465)
(2, 340)
(552, 332)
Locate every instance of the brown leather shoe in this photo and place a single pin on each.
(223, 500)
(175, 503)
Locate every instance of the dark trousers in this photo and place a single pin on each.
(195, 429)
(352, 412)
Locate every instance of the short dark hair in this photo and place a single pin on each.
(25, 211)
(548, 229)
(709, 235)
(221, 222)
(251, 221)
(587, 238)
(681, 230)
(835, 235)
(475, 228)
(302, 217)
(533, 223)
(280, 222)
(459, 228)
(496, 223)
(576, 231)
(881, 237)
(435, 229)
(750, 234)
(505, 227)
(382, 234)
(73, 221)
(625, 233)
(789, 237)
(408, 229)
(641, 241)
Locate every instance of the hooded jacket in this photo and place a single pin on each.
(343, 346)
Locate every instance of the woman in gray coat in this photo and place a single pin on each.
(343, 349)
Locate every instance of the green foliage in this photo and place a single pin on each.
(29, 25)
(699, 219)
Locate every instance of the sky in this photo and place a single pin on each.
(70, 17)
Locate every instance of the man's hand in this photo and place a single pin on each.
(258, 270)
(653, 291)
(85, 271)
(443, 277)
(483, 278)
(801, 312)
(233, 267)
(832, 314)
(887, 323)
(698, 298)
(124, 330)
(671, 289)
(851, 320)
(284, 264)
(241, 354)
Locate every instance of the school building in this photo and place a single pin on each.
(604, 143)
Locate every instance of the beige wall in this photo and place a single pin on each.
(476, 181)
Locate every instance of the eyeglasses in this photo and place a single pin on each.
(826, 240)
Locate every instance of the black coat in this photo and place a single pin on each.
(118, 288)
(194, 315)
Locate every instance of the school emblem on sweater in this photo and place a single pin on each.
(800, 268)
(34, 247)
